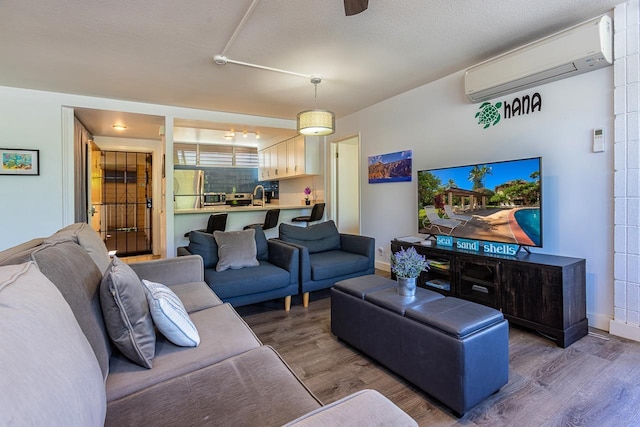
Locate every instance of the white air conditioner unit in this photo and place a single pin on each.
(579, 49)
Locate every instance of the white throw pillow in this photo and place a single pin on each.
(170, 316)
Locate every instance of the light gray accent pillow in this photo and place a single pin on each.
(170, 316)
(126, 313)
(236, 249)
(88, 238)
(49, 373)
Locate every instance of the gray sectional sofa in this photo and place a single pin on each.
(59, 366)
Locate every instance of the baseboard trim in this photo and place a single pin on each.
(599, 321)
(624, 330)
(384, 266)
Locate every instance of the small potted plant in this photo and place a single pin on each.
(407, 265)
(307, 192)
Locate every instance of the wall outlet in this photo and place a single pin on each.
(381, 250)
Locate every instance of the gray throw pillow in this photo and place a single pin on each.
(317, 238)
(205, 245)
(50, 375)
(236, 249)
(126, 313)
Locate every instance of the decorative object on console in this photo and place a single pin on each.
(407, 265)
(307, 191)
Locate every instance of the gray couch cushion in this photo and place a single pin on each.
(364, 408)
(317, 238)
(232, 283)
(205, 245)
(330, 264)
(24, 248)
(89, 239)
(50, 375)
(196, 296)
(236, 249)
(223, 334)
(126, 313)
(77, 278)
(255, 388)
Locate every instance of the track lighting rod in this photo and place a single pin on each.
(223, 60)
(240, 26)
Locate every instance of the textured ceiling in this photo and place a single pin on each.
(160, 51)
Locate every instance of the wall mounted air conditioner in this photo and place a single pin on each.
(579, 49)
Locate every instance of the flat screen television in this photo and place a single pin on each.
(494, 202)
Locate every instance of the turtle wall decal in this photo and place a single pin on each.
(489, 114)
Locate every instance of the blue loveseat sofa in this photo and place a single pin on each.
(327, 256)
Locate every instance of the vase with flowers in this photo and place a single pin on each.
(307, 192)
(407, 265)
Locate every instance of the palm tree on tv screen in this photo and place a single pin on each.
(477, 174)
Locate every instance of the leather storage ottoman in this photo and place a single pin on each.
(347, 299)
(456, 350)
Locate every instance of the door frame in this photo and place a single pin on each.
(334, 179)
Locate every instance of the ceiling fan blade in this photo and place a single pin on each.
(353, 7)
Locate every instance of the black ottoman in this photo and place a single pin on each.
(347, 299)
(456, 350)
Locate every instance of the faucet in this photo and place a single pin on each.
(262, 197)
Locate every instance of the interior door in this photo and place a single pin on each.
(94, 187)
(126, 219)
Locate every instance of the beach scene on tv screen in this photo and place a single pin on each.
(497, 202)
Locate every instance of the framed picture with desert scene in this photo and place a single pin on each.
(19, 162)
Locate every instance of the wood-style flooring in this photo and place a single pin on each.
(594, 382)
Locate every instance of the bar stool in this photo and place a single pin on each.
(270, 220)
(316, 214)
(217, 222)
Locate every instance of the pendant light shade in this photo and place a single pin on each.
(316, 122)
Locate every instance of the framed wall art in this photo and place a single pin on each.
(19, 162)
(392, 167)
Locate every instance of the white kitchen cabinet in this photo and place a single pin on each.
(291, 158)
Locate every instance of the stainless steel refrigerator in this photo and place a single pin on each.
(188, 186)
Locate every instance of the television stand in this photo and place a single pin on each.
(546, 293)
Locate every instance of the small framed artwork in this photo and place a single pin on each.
(19, 162)
(391, 167)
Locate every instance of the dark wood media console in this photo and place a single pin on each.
(546, 293)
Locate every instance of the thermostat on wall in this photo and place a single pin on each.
(598, 140)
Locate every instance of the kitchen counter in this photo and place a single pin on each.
(231, 209)
(185, 220)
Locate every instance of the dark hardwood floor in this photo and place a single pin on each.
(594, 382)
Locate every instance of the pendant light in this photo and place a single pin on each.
(316, 122)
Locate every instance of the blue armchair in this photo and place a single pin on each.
(327, 256)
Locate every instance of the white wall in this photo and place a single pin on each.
(37, 206)
(437, 123)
